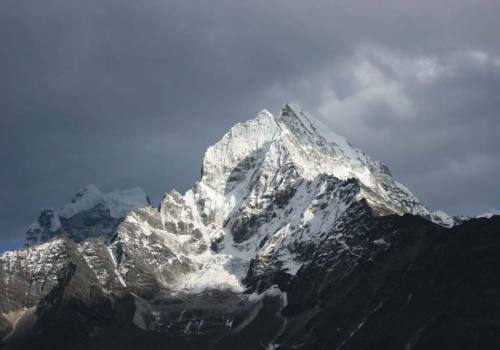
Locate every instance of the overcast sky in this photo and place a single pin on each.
(124, 93)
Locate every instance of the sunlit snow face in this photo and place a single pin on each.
(271, 188)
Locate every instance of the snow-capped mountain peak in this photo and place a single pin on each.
(273, 188)
(91, 213)
(317, 132)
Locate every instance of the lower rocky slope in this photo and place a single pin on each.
(413, 285)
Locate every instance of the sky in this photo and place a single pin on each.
(124, 93)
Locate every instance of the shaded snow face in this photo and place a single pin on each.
(118, 203)
(90, 213)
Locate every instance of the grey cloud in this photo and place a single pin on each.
(438, 131)
(125, 93)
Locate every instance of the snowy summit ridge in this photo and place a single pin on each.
(296, 138)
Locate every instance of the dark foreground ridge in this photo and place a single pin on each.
(431, 288)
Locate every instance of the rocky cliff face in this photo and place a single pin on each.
(290, 233)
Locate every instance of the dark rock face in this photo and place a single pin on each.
(95, 222)
(432, 288)
(47, 226)
(52, 296)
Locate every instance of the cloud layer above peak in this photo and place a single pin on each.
(112, 92)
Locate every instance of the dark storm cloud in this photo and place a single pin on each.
(434, 119)
(125, 93)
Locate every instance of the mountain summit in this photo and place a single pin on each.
(262, 250)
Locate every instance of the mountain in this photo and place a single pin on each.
(90, 213)
(292, 239)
